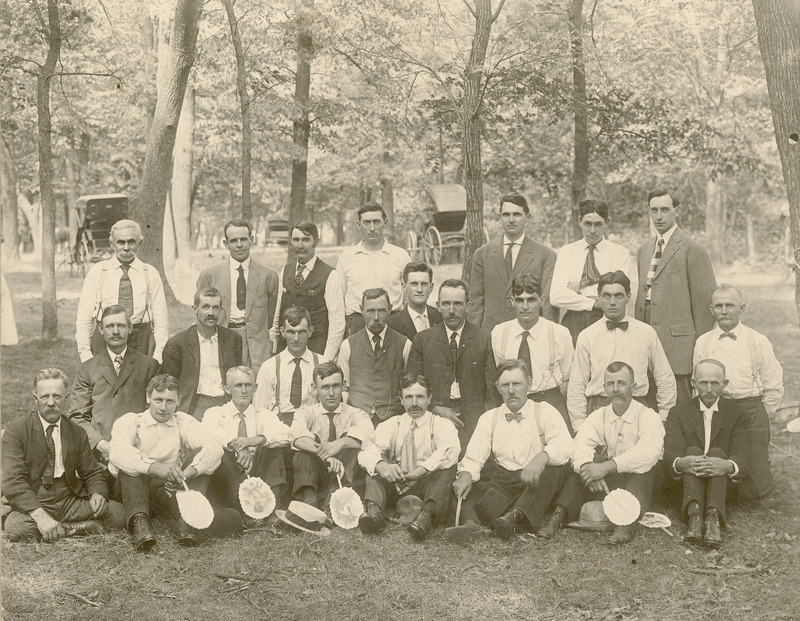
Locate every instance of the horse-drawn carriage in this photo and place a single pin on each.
(90, 225)
(443, 229)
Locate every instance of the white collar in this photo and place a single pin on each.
(46, 424)
(338, 410)
(211, 339)
(149, 421)
(458, 332)
(289, 356)
(361, 248)
(112, 355)
(667, 235)
(518, 242)
(134, 264)
(599, 246)
(419, 421)
(737, 330)
(414, 314)
(518, 329)
(235, 264)
(308, 265)
(710, 410)
(382, 334)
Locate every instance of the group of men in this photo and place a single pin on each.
(544, 383)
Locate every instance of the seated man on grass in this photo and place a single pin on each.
(145, 457)
(51, 480)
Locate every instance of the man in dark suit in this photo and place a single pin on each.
(417, 315)
(110, 384)
(52, 481)
(495, 264)
(249, 293)
(676, 281)
(457, 358)
(200, 356)
(706, 444)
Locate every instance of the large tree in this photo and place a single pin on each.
(778, 24)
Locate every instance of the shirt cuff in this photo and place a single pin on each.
(735, 470)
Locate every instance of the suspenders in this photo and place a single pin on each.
(278, 377)
(755, 371)
(396, 447)
(98, 301)
(551, 353)
(537, 416)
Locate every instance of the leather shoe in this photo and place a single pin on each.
(694, 531)
(372, 521)
(621, 534)
(143, 539)
(554, 523)
(421, 525)
(507, 525)
(184, 534)
(84, 528)
(713, 536)
(464, 534)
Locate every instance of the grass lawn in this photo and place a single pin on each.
(283, 575)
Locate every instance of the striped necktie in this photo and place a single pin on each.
(651, 273)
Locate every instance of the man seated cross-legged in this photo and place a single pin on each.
(515, 462)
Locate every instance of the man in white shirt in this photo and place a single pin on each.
(580, 264)
(125, 280)
(372, 263)
(618, 446)
(514, 464)
(617, 337)
(412, 454)
(706, 445)
(328, 437)
(249, 438)
(755, 379)
(544, 346)
(145, 457)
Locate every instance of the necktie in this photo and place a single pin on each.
(422, 322)
(376, 340)
(511, 416)
(622, 325)
(125, 295)
(296, 391)
(408, 457)
(454, 355)
(117, 363)
(50, 469)
(707, 415)
(331, 426)
(241, 289)
(591, 275)
(651, 273)
(298, 277)
(730, 335)
(510, 258)
(525, 351)
(242, 432)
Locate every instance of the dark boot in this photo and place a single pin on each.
(694, 530)
(713, 536)
(372, 521)
(421, 525)
(143, 539)
(509, 524)
(621, 535)
(553, 524)
(184, 533)
(84, 528)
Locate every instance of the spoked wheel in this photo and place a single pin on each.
(432, 246)
(82, 258)
(412, 245)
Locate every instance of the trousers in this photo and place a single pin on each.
(708, 492)
(433, 489)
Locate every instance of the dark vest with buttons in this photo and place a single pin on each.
(374, 382)
(310, 295)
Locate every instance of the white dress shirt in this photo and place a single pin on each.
(507, 337)
(421, 320)
(515, 443)
(113, 357)
(439, 451)
(344, 353)
(210, 382)
(363, 269)
(638, 346)
(101, 289)
(233, 266)
(160, 442)
(222, 422)
(58, 468)
(514, 249)
(635, 440)
(348, 421)
(265, 397)
(765, 381)
(608, 257)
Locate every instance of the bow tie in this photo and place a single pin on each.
(730, 335)
(622, 325)
(511, 416)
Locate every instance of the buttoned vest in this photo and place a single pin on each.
(375, 381)
(310, 295)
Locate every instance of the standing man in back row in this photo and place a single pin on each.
(249, 293)
(372, 263)
(495, 264)
(676, 281)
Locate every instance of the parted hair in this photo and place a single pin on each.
(711, 361)
(656, 192)
(295, 314)
(162, 383)
(244, 370)
(208, 292)
(593, 205)
(48, 374)
(417, 266)
(617, 366)
(455, 283)
(125, 224)
(511, 364)
(371, 206)
(526, 283)
(326, 369)
(407, 381)
(515, 198)
(115, 309)
(306, 227)
(238, 222)
(374, 294)
(614, 278)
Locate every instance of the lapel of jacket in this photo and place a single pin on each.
(408, 322)
(252, 286)
(38, 431)
(225, 286)
(699, 424)
(498, 261)
(440, 337)
(106, 368)
(716, 422)
(466, 338)
(125, 370)
(672, 247)
(525, 257)
(366, 344)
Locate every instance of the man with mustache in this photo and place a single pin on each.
(618, 446)
(201, 355)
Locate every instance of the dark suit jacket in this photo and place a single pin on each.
(260, 303)
(680, 297)
(25, 458)
(489, 282)
(730, 432)
(99, 397)
(182, 360)
(477, 373)
(401, 322)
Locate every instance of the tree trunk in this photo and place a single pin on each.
(182, 168)
(301, 124)
(8, 197)
(715, 223)
(33, 215)
(44, 77)
(173, 77)
(149, 34)
(778, 23)
(472, 124)
(71, 169)
(387, 200)
(580, 165)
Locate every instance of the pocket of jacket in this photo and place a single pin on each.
(682, 329)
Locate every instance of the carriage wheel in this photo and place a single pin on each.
(432, 246)
(83, 257)
(411, 244)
